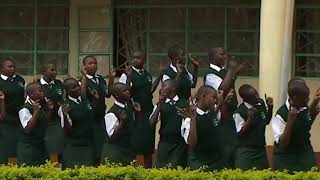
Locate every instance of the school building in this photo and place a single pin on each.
(278, 38)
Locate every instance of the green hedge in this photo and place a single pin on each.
(113, 172)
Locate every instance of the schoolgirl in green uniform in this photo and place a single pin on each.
(12, 85)
(177, 71)
(142, 89)
(34, 118)
(291, 128)
(77, 120)
(97, 85)
(120, 124)
(53, 90)
(251, 118)
(172, 150)
(221, 75)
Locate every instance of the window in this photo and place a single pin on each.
(95, 36)
(157, 25)
(35, 32)
(307, 38)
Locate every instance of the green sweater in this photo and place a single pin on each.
(14, 94)
(255, 137)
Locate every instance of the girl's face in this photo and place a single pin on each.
(8, 68)
(91, 65)
(220, 57)
(299, 102)
(74, 90)
(180, 57)
(209, 100)
(253, 97)
(51, 72)
(37, 94)
(124, 93)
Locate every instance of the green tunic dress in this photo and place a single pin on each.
(99, 107)
(251, 152)
(208, 152)
(298, 155)
(172, 149)
(54, 134)
(144, 134)
(79, 147)
(9, 130)
(184, 85)
(227, 128)
(120, 150)
(31, 149)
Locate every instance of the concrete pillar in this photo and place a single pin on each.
(272, 35)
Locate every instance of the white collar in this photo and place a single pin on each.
(29, 100)
(215, 67)
(90, 77)
(173, 67)
(249, 106)
(288, 106)
(119, 104)
(137, 70)
(4, 77)
(42, 81)
(200, 111)
(74, 99)
(176, 98)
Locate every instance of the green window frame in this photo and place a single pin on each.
(306, 38)
(95, 38)
(188, 31)
(46, 37)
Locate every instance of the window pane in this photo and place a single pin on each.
(16, 16)
(202, 41)
(156, 63)
(308, 43)
(207, 18)
(243, 42)
(16, 39)
(52, 1)
(171, 18)
(243, 18)
(53, 16)
(252, 62)
(308, 18)
(95, 18)
(161, 42)
(95, 41)
(16, 1)
(203, 66)
(307, 66)
(104, 64)
(59, 60)
(24, 62)
(53, 39)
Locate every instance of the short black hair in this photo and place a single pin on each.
(298, 87)
(84, 60)
(6, 59)
(68, 82)
(203, 91)
(171, 82)
(32, 86)
(46, 66)
(114, 88)
(244, 91)
(138, 53)
(173, 51)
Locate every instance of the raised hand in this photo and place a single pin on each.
(293, 113)
(252, 112)
(83, 71)
(269, 100)
(128, 70)
(195, 61)
(50, 104)
(189, 112)
(220, 96)
(180, 67)
(36, 106)
(136, 106)
(94, 93)
(113, 72)
(65, 108)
